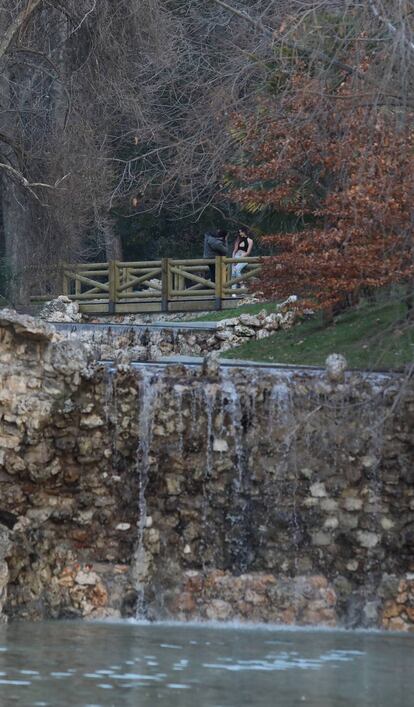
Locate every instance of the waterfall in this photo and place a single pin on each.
(256, 464)
(230, 392)
(148, 394)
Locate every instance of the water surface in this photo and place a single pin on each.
(142, 665)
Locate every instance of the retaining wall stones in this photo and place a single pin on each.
(124, 343)
(219, 494)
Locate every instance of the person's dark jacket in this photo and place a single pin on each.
(213, 246)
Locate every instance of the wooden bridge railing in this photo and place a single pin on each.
(158, 285)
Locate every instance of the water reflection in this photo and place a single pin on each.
(138, 665)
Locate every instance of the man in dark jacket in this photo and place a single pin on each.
(214, 244)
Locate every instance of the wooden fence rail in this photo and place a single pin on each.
(166, 285)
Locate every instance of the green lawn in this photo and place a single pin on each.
(370, 336)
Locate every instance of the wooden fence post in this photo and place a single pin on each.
(112, 282)
(165, 284)
(219, 281)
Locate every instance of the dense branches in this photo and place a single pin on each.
(334, 148)
(111, 110)
(349, 182)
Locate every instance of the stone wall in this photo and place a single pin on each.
(65, 507)
(123, 343)
(220, 494)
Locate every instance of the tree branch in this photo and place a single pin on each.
(49, 62)
(18, 176)
(391, 28)
(272, 34)
(21, 18)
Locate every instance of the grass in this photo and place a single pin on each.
(372, 335)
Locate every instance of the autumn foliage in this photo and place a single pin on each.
(346, 177)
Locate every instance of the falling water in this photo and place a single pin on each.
(178, 395)
(240, 517)
(226, 411)
(209, 399)
(230, 392)
(148, 394)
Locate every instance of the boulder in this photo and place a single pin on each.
(224, 335)
(24, 325)
(225, 323)
(241, 330)
(287, 303)
(250, 320)
(336, 365)
(61, 309)
(211, 365)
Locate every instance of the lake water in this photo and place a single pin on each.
(143, 665)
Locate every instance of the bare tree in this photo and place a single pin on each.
(125, 107)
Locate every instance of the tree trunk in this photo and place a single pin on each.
(17, 246)
(113, 246)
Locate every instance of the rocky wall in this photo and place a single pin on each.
(123, 344)
(66, 506)
(220, 494)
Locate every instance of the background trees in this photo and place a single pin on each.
(348, 182)
(333, 147)
(116, 127)
(112, 112)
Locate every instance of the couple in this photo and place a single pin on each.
(216, 244)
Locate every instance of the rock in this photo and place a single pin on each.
(352, 565)
(289, 320)
(282, 306)
(220, 445)
(184, 603)
(387, 523)
(369, 461)
(367, 539)
(211, 365)
(329, 504)
(318, 490)
(352, 503)
(273, 321)
(244, 331)
(250, 320)
(133, 353)
(91, 421)
(61, 309)
(321, 539)
(71, 357)
(226, 323)
(218, 610)
(397, 624)
(26, 326)
(336, 365)
(123, 526)
(86, 578)
(331, 523)
(39, 454)
(224, 335)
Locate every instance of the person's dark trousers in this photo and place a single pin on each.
(212, 269)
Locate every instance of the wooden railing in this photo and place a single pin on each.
(158, 285)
